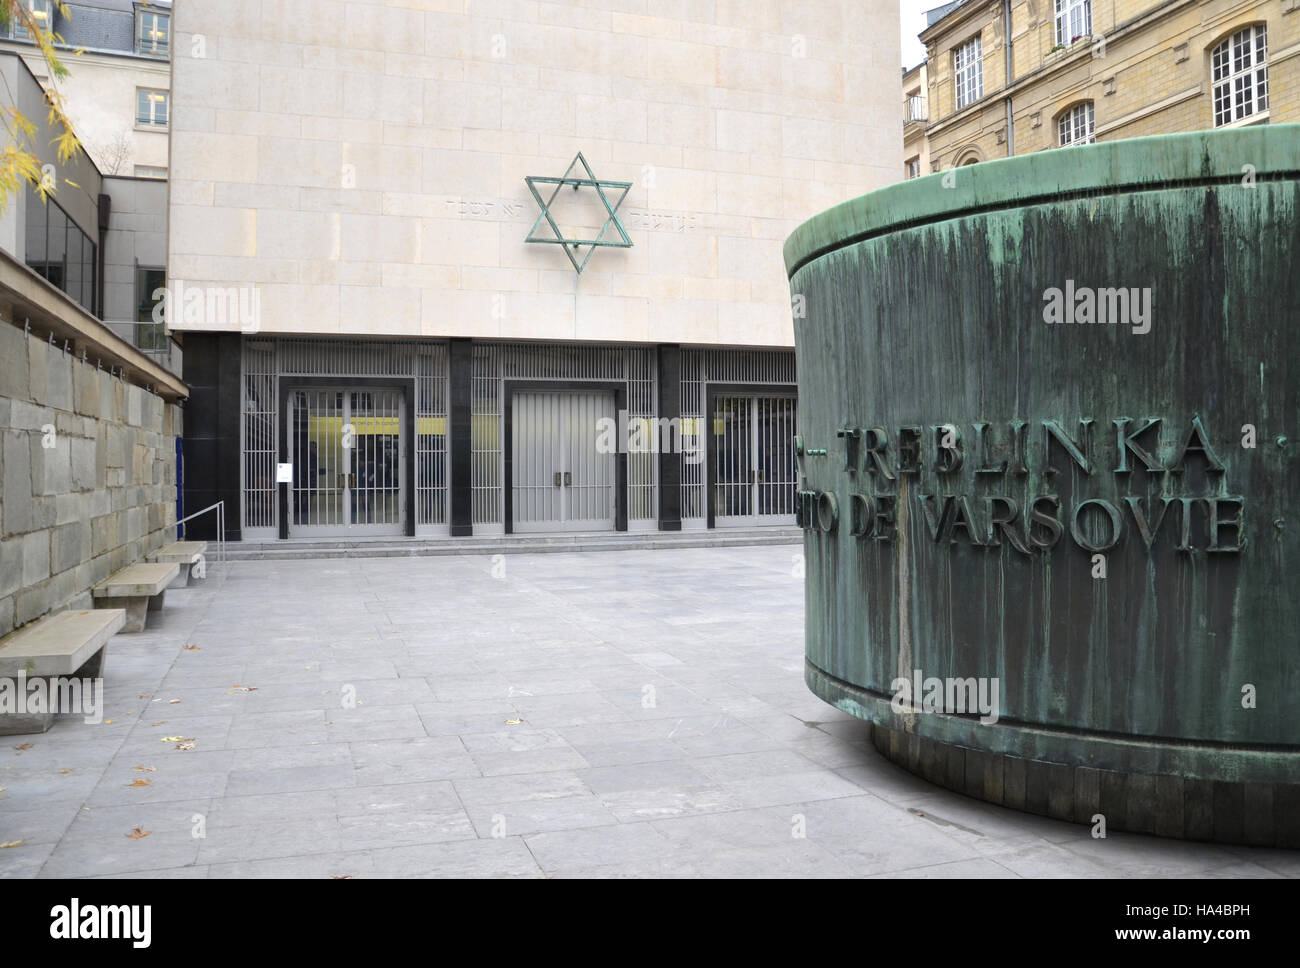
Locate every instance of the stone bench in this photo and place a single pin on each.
(67, 645)
(183, 553)
(137, 589)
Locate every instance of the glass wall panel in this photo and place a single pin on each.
(56, 260)
(35, 232)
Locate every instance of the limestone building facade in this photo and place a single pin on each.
(384, 334)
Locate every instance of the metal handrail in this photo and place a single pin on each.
(220, 508)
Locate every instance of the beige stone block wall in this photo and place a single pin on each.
(88, 464)
(377, 184)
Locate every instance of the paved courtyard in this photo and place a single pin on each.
(637, 713)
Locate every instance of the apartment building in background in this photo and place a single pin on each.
(916, 114)
(386, 332)
(1079, 71)
(119, 92)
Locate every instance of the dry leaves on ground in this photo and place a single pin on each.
(138, 833)
(136, 783)
(12, 843)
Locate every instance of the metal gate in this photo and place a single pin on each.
(349, 462)
(562, 481)
(754, 468)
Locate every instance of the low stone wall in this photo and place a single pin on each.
(88, 464)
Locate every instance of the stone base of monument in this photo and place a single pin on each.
(1164, 804)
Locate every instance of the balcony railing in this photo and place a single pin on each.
(151, 339)
(914, 109)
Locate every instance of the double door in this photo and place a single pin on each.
(754, 469)
(564, 469)
(349, 462)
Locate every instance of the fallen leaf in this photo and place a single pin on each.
(25, 746)
(171, 739)
(140, 783)
(513, 722)
(138, 833)
(192, 648)
(146, 769)
(184, 746)
(143, 696)
(173, 701)
(162, 723)
(65, 771)
(12, 843)
(108, 722)
(242, 689)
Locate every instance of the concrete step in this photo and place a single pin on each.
(390, 547)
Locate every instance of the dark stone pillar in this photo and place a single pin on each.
(670, 458)
(211, 437)
(459, 451)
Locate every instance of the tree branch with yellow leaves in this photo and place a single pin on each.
(19, 161)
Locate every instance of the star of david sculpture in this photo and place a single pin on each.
(572, 247)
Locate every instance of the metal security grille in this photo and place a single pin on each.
(733, 456)
(495, 363)
(642, 465)
(260, 434)
(562, 479)
(754, 470)
(265, 360)
(699, 369)
(778, 470)
(348, 461)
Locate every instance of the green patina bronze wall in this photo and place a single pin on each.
(1049, 411)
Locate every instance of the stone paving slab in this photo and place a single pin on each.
(628, 714)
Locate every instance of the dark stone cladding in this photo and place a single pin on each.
(211, 446)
